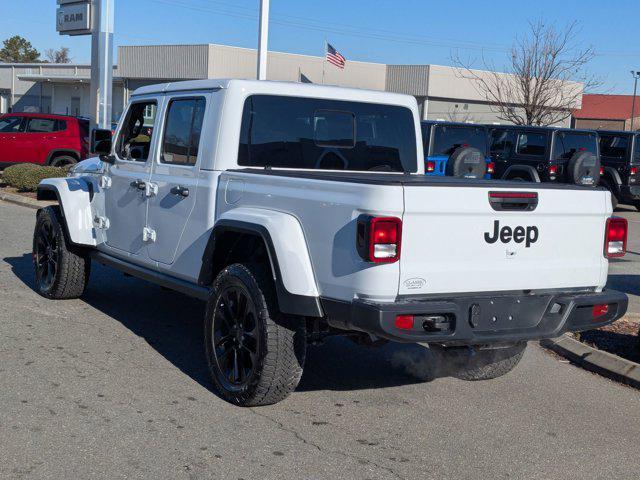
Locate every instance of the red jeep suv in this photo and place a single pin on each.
(45, 139)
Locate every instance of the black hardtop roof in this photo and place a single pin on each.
(542, 129)
(619, 132)
(453, 124)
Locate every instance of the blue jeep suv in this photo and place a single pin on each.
(456, 149)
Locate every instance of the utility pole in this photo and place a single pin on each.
(102, 62)
(636, 76)
(263, 37)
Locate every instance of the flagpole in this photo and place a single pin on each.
(324, 58)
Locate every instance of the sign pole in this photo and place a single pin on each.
(263, 37)
(102, 63)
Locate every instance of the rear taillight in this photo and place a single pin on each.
(553, 169)
(491, 167)
(633, 170)
(431, 166)
(601, 171)
(615, 237)
(379, 239)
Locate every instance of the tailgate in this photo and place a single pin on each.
(453, 240)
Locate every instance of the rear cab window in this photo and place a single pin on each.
(567, 144)
(307, 133)
(448, 138)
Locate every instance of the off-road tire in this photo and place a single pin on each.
(636, 204)
(72, 266)
(62, 161)
(281, 339)
(488, 364)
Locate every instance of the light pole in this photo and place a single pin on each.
(263, 37)
(636, 76)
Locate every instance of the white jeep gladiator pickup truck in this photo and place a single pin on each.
(299, 211)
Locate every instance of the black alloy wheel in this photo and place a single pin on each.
(235, 337)
(46, 256)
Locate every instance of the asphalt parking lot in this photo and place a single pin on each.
(114, 385)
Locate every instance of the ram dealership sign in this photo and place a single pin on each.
(74, 17)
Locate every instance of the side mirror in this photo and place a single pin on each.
(101, 143)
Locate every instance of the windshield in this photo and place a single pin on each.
(323, 134)
(567, 144)
(447, 138)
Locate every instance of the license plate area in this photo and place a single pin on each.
(507, 313)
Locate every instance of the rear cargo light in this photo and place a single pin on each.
(405, 322)
(600, 310)
(553, 169)
(633, 170)
(431, 166)
(615, 237)
(379, 239)
(491, 167)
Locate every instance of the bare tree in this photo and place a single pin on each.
(57, 56)
(543, 81)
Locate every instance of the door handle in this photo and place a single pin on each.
(139, 184)
(180, 190)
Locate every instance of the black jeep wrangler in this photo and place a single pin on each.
(620, 156)
(545, 154)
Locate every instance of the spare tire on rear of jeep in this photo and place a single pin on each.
(466, 162)
(584, 169)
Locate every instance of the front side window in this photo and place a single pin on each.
(567, 144)
(10, 124)
(614, 146)
(182, 131)
(42, 125)
(532, 144)
(309, 133)
(448, 138)
(134, 141)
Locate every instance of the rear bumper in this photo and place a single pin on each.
(481, 318)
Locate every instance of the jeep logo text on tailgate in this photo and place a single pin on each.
(518, 234)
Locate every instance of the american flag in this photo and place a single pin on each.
(334, 57)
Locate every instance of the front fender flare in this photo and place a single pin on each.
(74, 196)
(291, 265)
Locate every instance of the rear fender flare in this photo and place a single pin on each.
(523, 170)
(612, 177)
(74, 196)
(289, 258)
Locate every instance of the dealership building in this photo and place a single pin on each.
(443, 93)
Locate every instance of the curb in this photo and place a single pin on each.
(603, 363)
(23, 201)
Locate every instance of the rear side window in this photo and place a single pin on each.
(10, 124)
(447, 138)
(532, 144)
(614, 146)
(567, 144)
(308, 133)
(42, 125)
(182, 131)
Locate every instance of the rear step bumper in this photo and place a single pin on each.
(482, 318)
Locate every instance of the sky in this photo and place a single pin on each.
(385, 31)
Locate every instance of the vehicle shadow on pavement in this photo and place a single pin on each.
(629, 284)
(172, 324)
